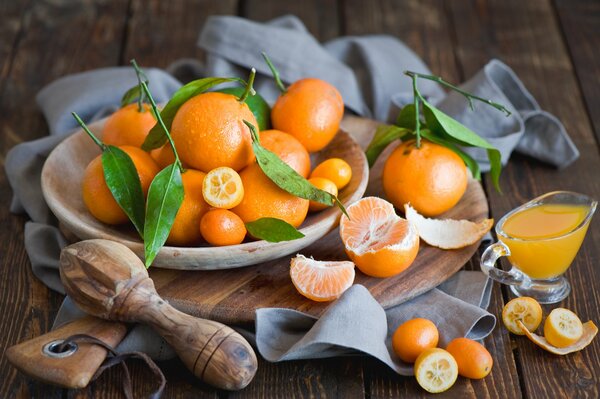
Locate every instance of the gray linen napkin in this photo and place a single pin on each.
(367, 71)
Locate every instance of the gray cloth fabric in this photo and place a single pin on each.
(368, 72)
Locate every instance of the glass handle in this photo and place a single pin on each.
(488, 266)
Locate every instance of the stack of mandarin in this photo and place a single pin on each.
(224, 187)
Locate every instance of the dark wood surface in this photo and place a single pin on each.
(551, 44)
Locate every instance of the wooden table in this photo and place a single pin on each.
(549, 43)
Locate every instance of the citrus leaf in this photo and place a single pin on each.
(384, 135)
(257, 104)
(123, 182)
(287, 178)
(472, 164)
(440, 123)
(164, 199)
(273, 230)
(406, 117)
(156, 137)
(131, 96)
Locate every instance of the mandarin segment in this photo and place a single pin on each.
(209, 132)
(380, 243)
(310, 110)
(321, 281)
(128, 126)
(431, 178)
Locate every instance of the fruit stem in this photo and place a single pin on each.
(249, 89)
(470, 97)
(158, 117)
(275, 73)
(88, 131)
(417, 96)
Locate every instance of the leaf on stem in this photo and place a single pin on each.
(124, 183)
(440, 123)
(156, 137)
(406, 117)
(467, 159)
(273, 230)
(164, 199)
(131, 96)
(287, 178)
(384, 135)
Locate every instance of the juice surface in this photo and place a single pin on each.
(544, 243)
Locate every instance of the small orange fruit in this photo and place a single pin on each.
(524, 309)
(562, 328)
(98, 198)
(209, 132)
(431, 178)
(223, 188)
(263, 198)
(185, 231)
(325, 185)
(321, 281)
(474, 361)
(128, 126)
(335, 169)
(412, 337)
(288, 149)
(436, 370)
(380, 242)
(222, 227)
(163, 156)
(310, 110)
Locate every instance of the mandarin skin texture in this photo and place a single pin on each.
(209, 131)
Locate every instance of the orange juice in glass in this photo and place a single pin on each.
(540, 239)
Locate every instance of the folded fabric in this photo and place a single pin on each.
(368, 72)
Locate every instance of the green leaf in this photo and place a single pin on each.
(273, 230)
(440, 123)
(123, 182)
(131, 95)
(468, 160)
(164, 199)
(384, 135)
(406, 117)
(287, 178)
(156, 138)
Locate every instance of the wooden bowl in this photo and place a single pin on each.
(61, 186)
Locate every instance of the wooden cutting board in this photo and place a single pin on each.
(232, 296)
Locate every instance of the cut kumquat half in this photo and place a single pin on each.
(321, 281)
(223, 188)
(380, 243)
(562, 328)
(436, 370)
(525, 310)
(589, 330)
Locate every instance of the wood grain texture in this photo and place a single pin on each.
(530, 42)
(63, 173)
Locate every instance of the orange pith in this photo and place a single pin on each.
(209, 132)
(128, 126)
(431, 178)
(98, 198)
(310, 110)
(321, 281)
(380, 242)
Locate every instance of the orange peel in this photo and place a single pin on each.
(589, 332)
(447, 233)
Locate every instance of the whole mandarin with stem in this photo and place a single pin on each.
(184, 231)
(222, 227)
(98, 198)
(334, 169)
(431, 178)
(128, 126)
(309, 109)
(209, 132)
(288, 149)
(325, 185)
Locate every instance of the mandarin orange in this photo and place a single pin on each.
(414, 336)
(432, 178)
(222, 227)
(310, 110)
(185, 230)
(288, 149)
(128, 126)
